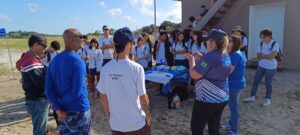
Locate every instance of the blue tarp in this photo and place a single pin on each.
(2, 32)
(178, 76)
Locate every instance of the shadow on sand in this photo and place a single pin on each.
(12, 112)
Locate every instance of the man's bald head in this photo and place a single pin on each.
(72, 38)
(71, 32)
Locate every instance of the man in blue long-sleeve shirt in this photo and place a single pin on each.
(66, 89)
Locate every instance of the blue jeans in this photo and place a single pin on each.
(38, 110)
(269, 74)
(234, 96)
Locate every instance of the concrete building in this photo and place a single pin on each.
(282, 16)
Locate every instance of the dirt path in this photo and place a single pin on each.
(281, 118)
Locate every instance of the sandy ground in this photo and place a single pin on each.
(281, 118)
(4, 57)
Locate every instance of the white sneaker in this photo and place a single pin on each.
(249, 99)
(267, 102)
(225, 126)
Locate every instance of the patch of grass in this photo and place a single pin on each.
(22, 43)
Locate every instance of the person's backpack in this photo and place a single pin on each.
(48, 57)
(84, 50)
(245, 48)
(278, 56)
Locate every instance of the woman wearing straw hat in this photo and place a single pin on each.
(238, 31)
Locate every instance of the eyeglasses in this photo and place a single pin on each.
(106, 29)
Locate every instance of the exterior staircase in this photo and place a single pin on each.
(215, 14)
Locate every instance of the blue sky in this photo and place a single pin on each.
(53, 16)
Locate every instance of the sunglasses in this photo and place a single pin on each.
(78, 36)
(106, 29)
(43, 45)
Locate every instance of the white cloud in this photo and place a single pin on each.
(173, 15)
(33, 7)
(129, 18)
(103, 4)
(141, 3)
(6, 18)
(115, 12)
(171, 12)
(145, 7)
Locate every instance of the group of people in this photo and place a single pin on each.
(216, 61)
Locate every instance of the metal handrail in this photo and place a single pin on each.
(210, 14)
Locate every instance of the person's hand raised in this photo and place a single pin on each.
(189, 57)
(198, 55)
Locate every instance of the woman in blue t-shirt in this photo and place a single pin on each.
(237, 81)
(212, 90)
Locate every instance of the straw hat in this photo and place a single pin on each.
(237, 28)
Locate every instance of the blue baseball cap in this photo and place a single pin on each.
(216, 34)
(122, 36)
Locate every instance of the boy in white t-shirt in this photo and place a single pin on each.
(106, 44)
(123, 93)
(267, 66)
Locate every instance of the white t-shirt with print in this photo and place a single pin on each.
(141, 52)
(161, 53)
(267, 49)
(93, 58)
(108, 53)
(178, 47)
(123, 81)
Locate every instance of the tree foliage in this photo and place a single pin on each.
(169, 25)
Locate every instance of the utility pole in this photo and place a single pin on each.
(155, 15)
